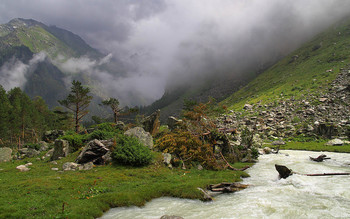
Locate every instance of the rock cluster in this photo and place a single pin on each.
(325, 114)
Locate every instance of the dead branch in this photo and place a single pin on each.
(231, 167)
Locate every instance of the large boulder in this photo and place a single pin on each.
(5, 154)
(28, 152)
(61, 149)
(151, 123)
(93, 152)
(144, 137)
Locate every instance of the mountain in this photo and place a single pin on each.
(40, 37)
(32, 56)
(308, 70)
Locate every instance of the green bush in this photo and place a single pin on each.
(107, 127)
(76, 141)
(100, 135)
(32, 146)
(129, 151)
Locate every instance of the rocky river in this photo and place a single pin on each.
(298, 196)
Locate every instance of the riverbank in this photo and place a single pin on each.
(298, 196)
(315, 146)
(45, 193)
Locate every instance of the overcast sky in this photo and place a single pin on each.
(167, 41)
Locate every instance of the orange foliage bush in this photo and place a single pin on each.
(188, 148)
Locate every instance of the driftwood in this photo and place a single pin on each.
(320, 158)
(227, 187)
(285, 172)
(327, 174)
(231, 167)
(206, 195)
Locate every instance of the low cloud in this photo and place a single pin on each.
(14, 73)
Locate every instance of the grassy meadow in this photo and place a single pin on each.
(45, 193)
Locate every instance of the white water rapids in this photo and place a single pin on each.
(298, 196)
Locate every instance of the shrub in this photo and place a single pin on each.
(100, 135)
(107, 127)
(188, 148)
(129, 151)
(32, 146)
(76, 141)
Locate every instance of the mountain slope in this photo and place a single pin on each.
(308, 70)
(23, 64)
(39, 37)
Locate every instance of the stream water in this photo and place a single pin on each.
(298, 196)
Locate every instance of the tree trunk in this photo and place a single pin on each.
(77, 119)
(115, 117)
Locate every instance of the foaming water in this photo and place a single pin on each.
(298, 196)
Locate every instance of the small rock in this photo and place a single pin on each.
(322, 99)
(335, 142)
(54, 162)
(166, 158)
(278, 142)
(70, 166)
(267, 150)
(199, 167)
(55, 169)
(22, 168)
(247, 106)
(43, 146)
(87, 166)
(28, 164)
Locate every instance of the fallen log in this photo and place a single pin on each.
(320, 158)
(285, 172)
(227, 187)
(327, 174)
(231, 167)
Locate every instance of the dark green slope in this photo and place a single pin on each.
(44, 80)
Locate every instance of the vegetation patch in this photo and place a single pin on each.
(315, 146)
(44, 193)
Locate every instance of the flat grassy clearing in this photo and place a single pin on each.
(315, 146)
(44, 193)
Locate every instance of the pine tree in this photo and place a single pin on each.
(114, 105)
(78, 101)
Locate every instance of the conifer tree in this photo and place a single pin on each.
(78, 101)
(114, 105)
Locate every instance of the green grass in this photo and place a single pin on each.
(42, 192)
(302, 76)
(315, 146)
